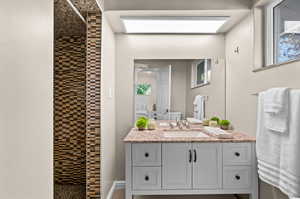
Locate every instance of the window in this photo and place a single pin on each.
(143, 89)
(282, 31)
(200, 73)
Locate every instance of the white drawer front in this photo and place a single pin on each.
(238, 177)
(146, 178)
(237, 154)
(146, 154)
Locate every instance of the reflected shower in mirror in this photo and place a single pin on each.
(168, 89)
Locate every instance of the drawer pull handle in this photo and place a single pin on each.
(146, 178)
(146, 155)
(237, 177)
(195, 156)
(190, 155)
(237, 154)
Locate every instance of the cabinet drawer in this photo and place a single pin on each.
(237, 154)
(237, 177)
(146, 178)
(146, 154)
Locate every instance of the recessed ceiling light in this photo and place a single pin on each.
(175, 25)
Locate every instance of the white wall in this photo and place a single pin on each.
(215, 90)
(108, 158)
(26, 99)
(130, 47)
(242, 82)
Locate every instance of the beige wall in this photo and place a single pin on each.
(178, 88)
(26, 99)
(108, 158)
(242, 83)
(215, 104)
(130, 47)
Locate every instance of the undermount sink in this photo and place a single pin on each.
(184, 134)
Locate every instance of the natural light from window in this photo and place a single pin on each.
(287, 31)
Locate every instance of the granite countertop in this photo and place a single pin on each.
(157, 135)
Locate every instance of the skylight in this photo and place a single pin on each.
(175, 25)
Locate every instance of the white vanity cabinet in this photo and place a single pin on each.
(176, 166)
(170, 168)
(191, 166)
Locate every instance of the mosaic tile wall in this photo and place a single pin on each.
(93, 76)
(70, 111)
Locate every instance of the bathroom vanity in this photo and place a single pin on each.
(160, 163)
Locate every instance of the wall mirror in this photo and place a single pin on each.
(167, 89)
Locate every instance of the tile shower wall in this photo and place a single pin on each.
(70, 111)
(93, 72)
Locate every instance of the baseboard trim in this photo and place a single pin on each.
(115, 186)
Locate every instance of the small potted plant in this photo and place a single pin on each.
(141, 123)
(214, 122)
(215, 119)
(224, 124)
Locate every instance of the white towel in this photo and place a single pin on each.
(197, 98)
(199, 109)
(275, 100)
(278, 154)
(276, 107)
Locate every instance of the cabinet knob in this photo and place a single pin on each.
(237, 154)
(237, 177)
(146, 155)
(146, 178)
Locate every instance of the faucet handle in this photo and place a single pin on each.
(171, 125)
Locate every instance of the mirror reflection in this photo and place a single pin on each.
(179, 89)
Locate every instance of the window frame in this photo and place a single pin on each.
(271, 48)
(270, 52)
(207, 70)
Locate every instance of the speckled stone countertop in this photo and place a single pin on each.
(158, 136)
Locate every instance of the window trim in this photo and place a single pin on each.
(270, 52)
(270, 49)
(194, 73)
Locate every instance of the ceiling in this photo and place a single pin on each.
(177, 4)
(234, 16)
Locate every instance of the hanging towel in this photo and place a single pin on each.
(278, 154)
(275, 100)
(199, 107)
(197, 98)
(276, 107)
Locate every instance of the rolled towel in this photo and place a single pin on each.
(276, 107)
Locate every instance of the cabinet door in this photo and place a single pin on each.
(207, 166)
(177, 165)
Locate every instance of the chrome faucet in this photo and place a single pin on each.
(172, 126)
(187, 124)
(179, 124)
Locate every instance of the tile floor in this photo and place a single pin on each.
(69, 192)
